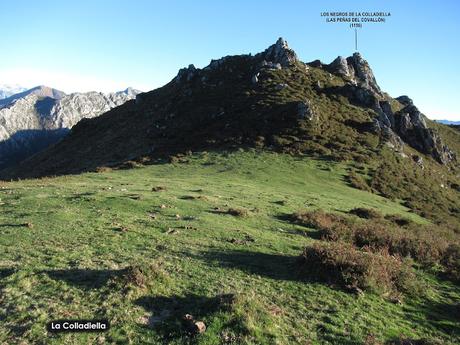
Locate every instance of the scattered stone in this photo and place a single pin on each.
(247, 239)
(281, 86)
(172, 231)
(163, 206)
(178, 216)
(418, 160)
(357, 291)
(255, 78)
(152, 215)
(200, 327)
(193, 327)
(122, 229)
(158, 189)
(396, 300)
(28, 225)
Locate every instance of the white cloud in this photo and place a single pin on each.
(67, 82)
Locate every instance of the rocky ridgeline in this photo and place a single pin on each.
(268, 100)
(275, 57)
(404, 126)
(34, 119)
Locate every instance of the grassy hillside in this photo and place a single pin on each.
(212, 235)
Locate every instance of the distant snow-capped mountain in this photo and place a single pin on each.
(7, 90)
(36, 118)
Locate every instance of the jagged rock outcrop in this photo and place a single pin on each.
(277, 56)
(305, 111)
(357, 70)
(279, 53)
(41, 116)
(186, 74)
(406, 126)
(410, 124)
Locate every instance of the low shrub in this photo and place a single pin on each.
(238, 212)
(103, 169)
(366, 213)
(426, 244)
(317, 219)
(159, 189)
(398, 220)
(451, 260)
(358, 181)
(140, 275)
(351, 268)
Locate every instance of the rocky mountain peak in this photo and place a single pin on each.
(357, 70)
(362, 73)
(404, 100)
(279, 53)
(40, 91)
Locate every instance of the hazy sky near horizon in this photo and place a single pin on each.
(107, 45)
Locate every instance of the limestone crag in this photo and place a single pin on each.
(41, 116)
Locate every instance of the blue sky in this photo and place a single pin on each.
(108, 45)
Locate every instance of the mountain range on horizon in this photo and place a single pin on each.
(448, 122)
(7, 90)
(35, 118)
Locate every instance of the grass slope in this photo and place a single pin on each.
(66, 244)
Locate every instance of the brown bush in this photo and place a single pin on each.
(425, 244)
(451, 261)
(318, 219)
(358, 182)
(238, 212)
(140, 275)
(342, 264)
(398, 220)
(159, 189)
(103, 169)
(366, 213)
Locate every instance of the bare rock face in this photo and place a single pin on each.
(407, 126)
(305, 111)
(357, 70)
(339, 66)
(410, 124)
(186, 74)
(279, 53)
(41, 116)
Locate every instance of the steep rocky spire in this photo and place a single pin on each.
(357, 70)
(279, 53)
